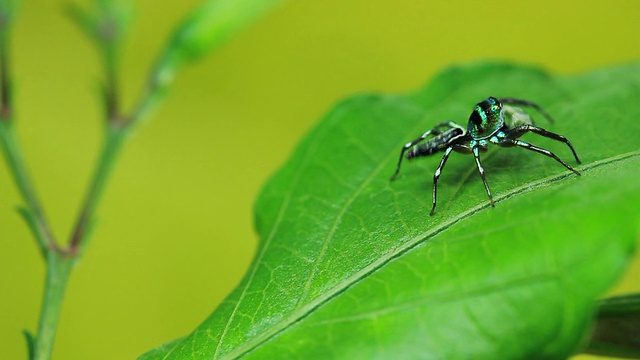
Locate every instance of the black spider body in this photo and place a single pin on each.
(438, 143)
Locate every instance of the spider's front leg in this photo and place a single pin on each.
(476, 154)
(458, 148)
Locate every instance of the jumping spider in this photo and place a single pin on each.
(486, 125)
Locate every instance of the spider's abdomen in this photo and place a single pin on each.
(436, 144)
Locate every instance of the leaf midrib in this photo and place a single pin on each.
(352, 280)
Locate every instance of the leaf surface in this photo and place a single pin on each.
(351, 266)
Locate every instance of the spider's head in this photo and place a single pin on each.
(486, 119)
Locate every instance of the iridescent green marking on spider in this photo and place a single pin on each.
(486, 119)
(486, 125)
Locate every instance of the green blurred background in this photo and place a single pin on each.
(175, 233)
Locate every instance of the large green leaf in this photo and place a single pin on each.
(351, 265)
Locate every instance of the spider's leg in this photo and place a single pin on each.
(520, 130)
(408, 146)
(512, 101)
(445, 157)
(448, 125)
(476, 155)
(457, 147)
(526, 145)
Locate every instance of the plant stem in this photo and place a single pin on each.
(114, 140)
(59, 266)
(59, 260)
(34, 213)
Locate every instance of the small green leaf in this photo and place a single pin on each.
(205, 29)
(351, 265)
(31, 340)
(34, 226)
(617, 330)
(619, 306)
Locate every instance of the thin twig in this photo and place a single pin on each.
(111, 148)
(107, 42)
(59, 265)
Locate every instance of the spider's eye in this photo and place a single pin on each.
(475, 118)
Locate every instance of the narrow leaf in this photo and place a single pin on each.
(205, 29)
(31, 340)
(617, 330)
(351, 265)
(34, 226)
